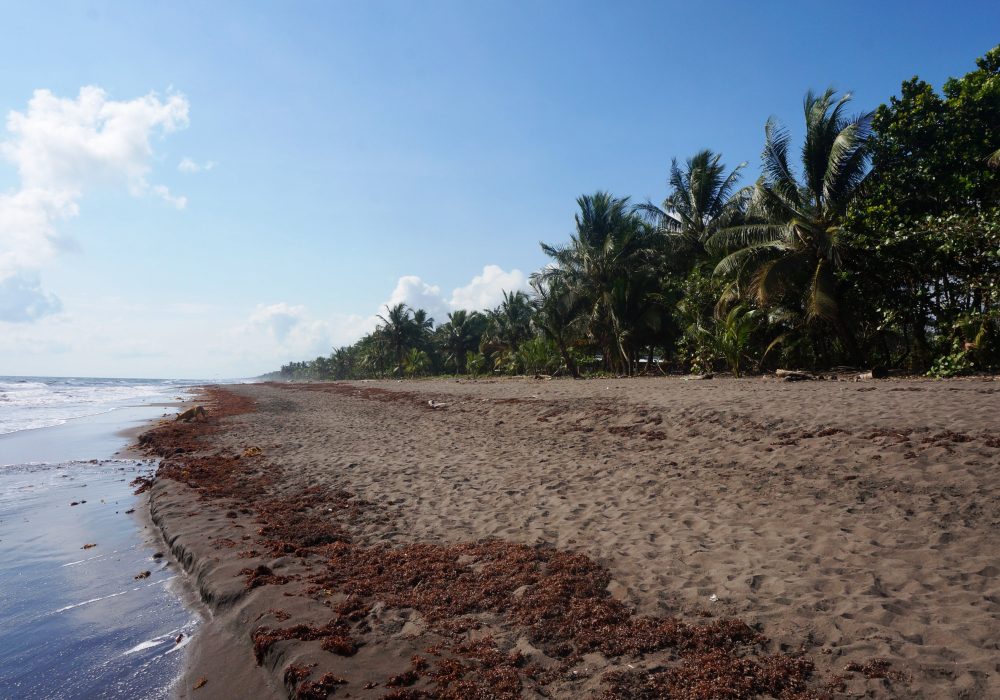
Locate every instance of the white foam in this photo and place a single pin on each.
(29, 403)
(92, 600)
(147, 645)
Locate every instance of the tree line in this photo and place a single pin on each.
(874, 242)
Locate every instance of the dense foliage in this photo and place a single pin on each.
(879, 244)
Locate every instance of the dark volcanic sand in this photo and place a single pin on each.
(338, 531)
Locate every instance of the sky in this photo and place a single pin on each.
(209, 190)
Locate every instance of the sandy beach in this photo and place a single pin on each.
(598, 538)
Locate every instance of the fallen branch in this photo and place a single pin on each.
(791, 375)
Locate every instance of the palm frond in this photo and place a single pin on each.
(847, 162)
(774, 276)
(729, 239)
(724, 192)
(821, 300)
(749, 257)
(774, 161)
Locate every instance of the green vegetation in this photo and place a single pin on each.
(878, 245)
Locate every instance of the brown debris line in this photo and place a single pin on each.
(141, 484)
(720, 675)
(947, 436)
(296, 674)
(262, 576)
(319, 690)
(876, 668)
(174, 437)
(480, 671)
(558, 598)
(471, 670)
(294, 524)
(335, 636)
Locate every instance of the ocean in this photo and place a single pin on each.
(87, 607)
(27, 403)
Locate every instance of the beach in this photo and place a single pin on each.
(601, 538)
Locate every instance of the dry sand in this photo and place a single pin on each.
(851, 522)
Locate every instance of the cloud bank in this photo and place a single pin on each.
(291, 332)
(62, 147)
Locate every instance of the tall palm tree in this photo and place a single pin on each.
(790, 243)
(703, 199)
(509, 324)
(342, 360)
(460, 335)
(557, 314)
(399, 332)
(609, 262)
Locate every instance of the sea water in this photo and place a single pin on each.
(40, 402)
(75, 622)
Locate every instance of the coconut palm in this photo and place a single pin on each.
(342, 360)
(609, 263)
(558, 315)
(703, 200)
(459, 336)
(399, 332)
(790, 243)
(509, 324)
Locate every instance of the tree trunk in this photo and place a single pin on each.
(850, 344)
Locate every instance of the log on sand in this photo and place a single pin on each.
(791, 375)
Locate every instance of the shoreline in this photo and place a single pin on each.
(66, 489)
(297, 493)
(212, 650)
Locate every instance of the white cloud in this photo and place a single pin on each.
(63, 144)
(278, 320)
(23, 299)
(417, 294)
(188, 165)
(485, 291)
(292, 330)
(62, 147)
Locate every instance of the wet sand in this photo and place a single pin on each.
(617, 538)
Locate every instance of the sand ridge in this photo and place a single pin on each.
(854, 521)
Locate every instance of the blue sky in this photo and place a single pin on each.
(343, 155)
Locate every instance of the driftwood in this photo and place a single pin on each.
(707, 375)
(873, 373)
(791, 375)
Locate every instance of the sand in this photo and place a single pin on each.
(852, 524)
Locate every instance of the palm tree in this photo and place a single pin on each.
(609, 262)
(557, 314)
(703, 200)
(399, 331)
(342, 360)
(509, 324)
(461, 335)
(730, 335)
(790, 242)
